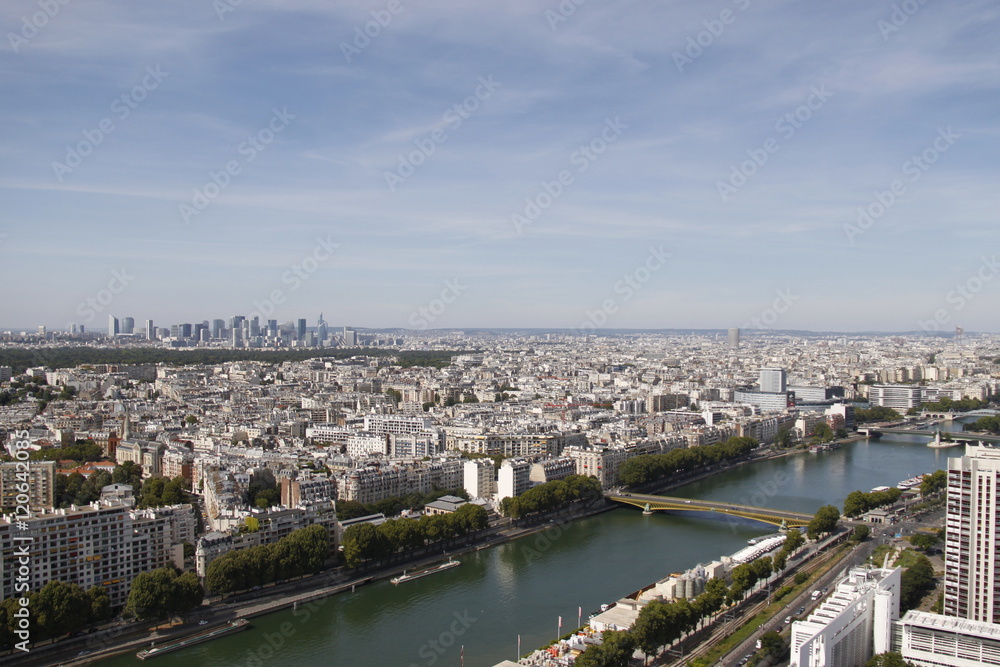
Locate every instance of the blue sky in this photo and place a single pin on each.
(667, 98)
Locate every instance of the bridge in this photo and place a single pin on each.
(650, 503)
(957, 436)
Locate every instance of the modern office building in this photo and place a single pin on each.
(479, 477)
(772, 380)
(734, 339)
(150, 330)
(300, 331)
(128, 325)
(853, 623)
(113, 327)
(933, 640)
(897, 397)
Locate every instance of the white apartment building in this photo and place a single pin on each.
(513, 479)
(102, 544)
(479, 478)
(599, 461)
(972, 538)
(853, 623)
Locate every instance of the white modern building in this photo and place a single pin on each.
(480, 478)
(853, 623)
(897, 397)
(972, 571)
(772, 380)
(933, 640)
(513, 478)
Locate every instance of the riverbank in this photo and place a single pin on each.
(315, 589)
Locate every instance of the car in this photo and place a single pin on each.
(788, 619)
(758, 645)
(802, 610)
(688, 502)
(202, 622)
(745, 660)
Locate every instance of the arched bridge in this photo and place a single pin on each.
(667, 503)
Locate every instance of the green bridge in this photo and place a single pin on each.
(650, 503)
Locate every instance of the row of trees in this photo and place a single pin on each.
(876, 413)
(21, 359)
(945, 404)
(56, 610)
(653, 467)
(75, 489)
(553, 495)
(350, 509)
(858, 502)
(302, 552)
(163, 593)
(660, 624)
(81, 451)
(364, 542)
(990, 424)
(793, 540)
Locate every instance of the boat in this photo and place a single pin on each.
(450, 563)
(910, 483)
(197, 638)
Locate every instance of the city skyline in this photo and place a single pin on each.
(566, 166)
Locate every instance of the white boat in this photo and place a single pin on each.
(450, 563)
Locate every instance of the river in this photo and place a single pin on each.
(521, 588)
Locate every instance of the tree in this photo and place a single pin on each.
(934, 483)
(825, 521)
(915, 582)
(60, 608)
(100, 604)
(923, 541)
(127, 473)
(861, 533)
(784, 439)
(363, 542)
(771, 643)
(889, 659)
(822, 432)
(152, 594)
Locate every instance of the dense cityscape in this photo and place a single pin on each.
(145, 491)
(534, 333)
